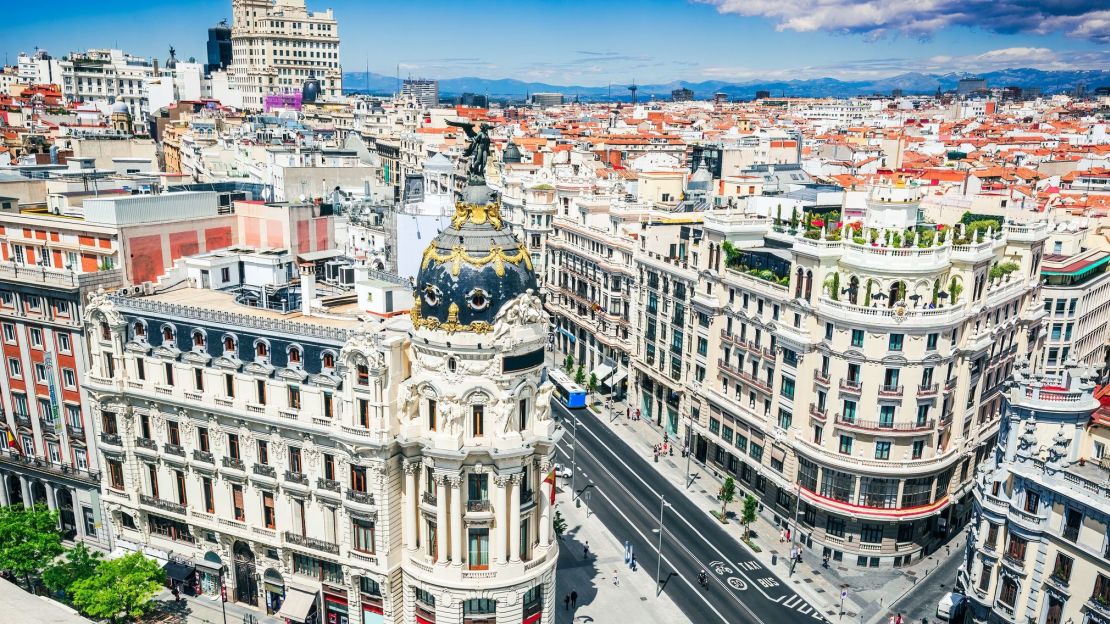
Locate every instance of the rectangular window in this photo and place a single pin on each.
(1062, 570)
(785, 418)
(931, 342)
(169, 373)
(294, 397)
(268, 516)
(431, 415)
(173, 432)
(857, 337)
(364, 413)
(202, 439)
(477, 420)
(834, 525)
(237, 502)
(358, 478)
(787, 387)
(229, 385)
(837, 485)
(845, 445)
(871, 533)
(198, 379)
(882, 449)
(295, 465)
(362, 534)
(329, 466)
(263, 452)
(152, 480)
(140, 368)
(1016, 551)
(115, 474)
(917, 449)
(233, 446)
(209, 500)
(894, 342)
(478, 551)
(179, 481)
(260, 388)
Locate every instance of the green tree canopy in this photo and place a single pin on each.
(29, 539)
(580, 376)
(728, 494)
(747, 516)
(121, 587)
(79, 563)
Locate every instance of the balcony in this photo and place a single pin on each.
(75, 433)
(818, 413)
(311, 542)
(44, 466)
(479, 506)
(363, 498)
(146, 443)
(1100, 605)
(264, 470)
(890, 391)
(428, 499)
(848, 385)
(48, 427)
(1026, 520)
(203, 456)
(174, 449)
(889, 427)
(111, 439)
(950, 385)
(927, 390)
(161, 504)
(822, 378)
(232, 462)
(296, 477)
(328, 484)
(23, 420)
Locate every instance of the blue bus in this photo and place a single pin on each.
(571, 394)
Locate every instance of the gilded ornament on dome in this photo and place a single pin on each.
(458, 255)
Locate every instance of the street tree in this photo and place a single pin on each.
(591, 385)
(580, 376)
(728, 494)
(747, 516)
(559, 524)
(121, 590)
(29, 540)
(568, 363)
(79, 563)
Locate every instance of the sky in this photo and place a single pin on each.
(595, 42)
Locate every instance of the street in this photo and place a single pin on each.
(623, 489)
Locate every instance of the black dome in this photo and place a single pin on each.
(511, 153)
(310, 91)
(471, 269)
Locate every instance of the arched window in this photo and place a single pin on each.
(261, 349)
(798, 284)
(229, 344)
(328, 359)
(167, 333)
(198, 338)
(294, 355)
(809, 284)
(140, 329)
(105, 331)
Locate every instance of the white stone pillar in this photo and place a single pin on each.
(441, 518)
(458, 531)
(514, 518)
(51, 497)
(545, 505)
(500, 519)
(4, 501)
(410, 509)
(25, 487)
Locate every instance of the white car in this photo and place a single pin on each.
(562, 471)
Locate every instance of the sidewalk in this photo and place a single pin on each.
(871, 591)
(204, 610)
(599, 600)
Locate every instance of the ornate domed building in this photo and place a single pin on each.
(477, 433)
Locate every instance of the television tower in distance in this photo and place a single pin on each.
(633, 88)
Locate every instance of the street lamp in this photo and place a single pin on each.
(659, 549)
(573, 448)
(687, 450)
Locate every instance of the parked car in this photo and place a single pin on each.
(562, 471)
(951, 607)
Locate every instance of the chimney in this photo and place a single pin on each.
(308, 288)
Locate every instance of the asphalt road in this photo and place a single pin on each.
(920, 603)
(624, 492)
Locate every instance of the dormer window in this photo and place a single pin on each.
(329, 360)
(261, 349)
(295, 356)
(167, 334)
(229, 344)
(198, 339)
(363, 372)
(140, 329)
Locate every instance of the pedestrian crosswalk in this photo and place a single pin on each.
(797, 603)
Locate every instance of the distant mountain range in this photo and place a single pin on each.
(910, 83)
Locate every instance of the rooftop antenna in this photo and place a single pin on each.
(633, 88)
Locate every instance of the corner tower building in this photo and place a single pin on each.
(476, 433)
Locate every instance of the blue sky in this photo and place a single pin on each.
(594, 42)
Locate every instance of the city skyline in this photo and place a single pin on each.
(849, 44)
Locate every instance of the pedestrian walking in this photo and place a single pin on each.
(825, 561)
(586, 550)
(900, 619)
(573, 599)
(633, 562)
(616, 578)
(566, 602)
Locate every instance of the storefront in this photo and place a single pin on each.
(180, 575)
(370, 597)
(208, 574)
(274, 588)
(298, 606)
(335, 605)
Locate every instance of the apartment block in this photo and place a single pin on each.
(1038, 546)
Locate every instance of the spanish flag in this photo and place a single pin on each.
(14, 443)
(550, 480)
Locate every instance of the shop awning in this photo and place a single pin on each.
(567, 334)
(297, 605)
(179, 572)
(603, 371)
(778, 454)
(617, 378)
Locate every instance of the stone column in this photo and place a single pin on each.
(410, 509)
(514, 518)
(458, 531)
(441, 518)
(545, 504)
(500, 519)
(4, 500)
(51, 497)
(25, 487)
